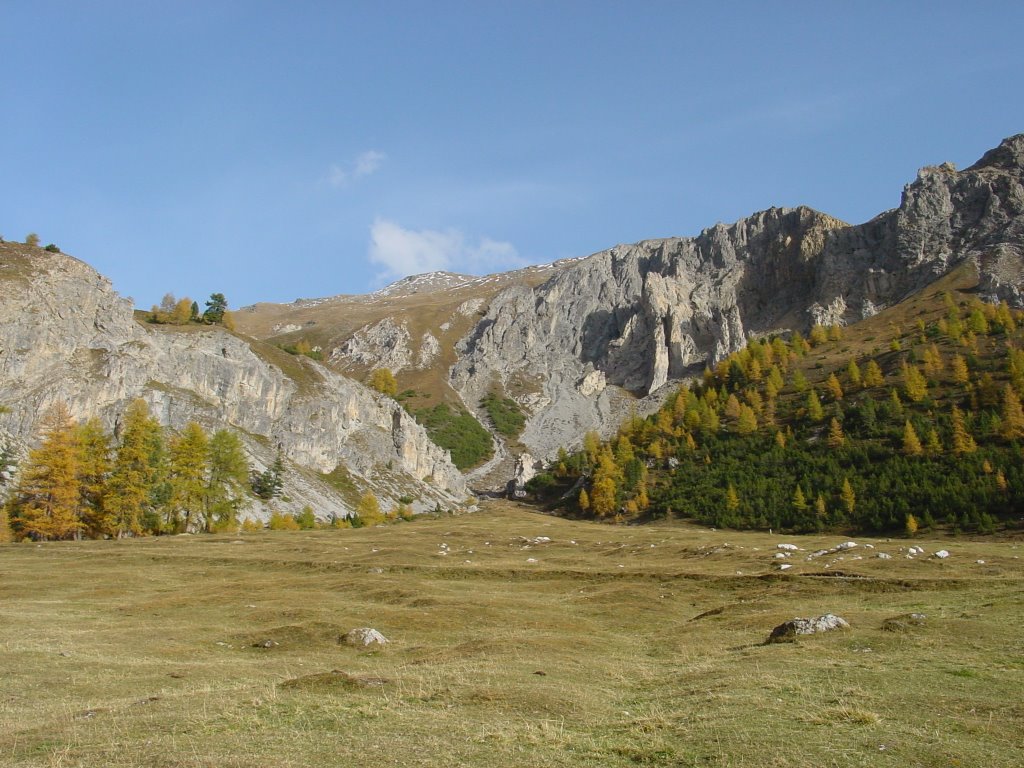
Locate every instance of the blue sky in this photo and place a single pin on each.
(271, 151)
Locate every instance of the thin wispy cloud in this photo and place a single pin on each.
(402, 252)
(365, 164)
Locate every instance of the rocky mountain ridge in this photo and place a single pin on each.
(635, 317)
(65, 335)
(577, 344)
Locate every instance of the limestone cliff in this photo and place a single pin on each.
(66, 335)
(636, 316)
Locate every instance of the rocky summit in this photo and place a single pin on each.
(575, 344)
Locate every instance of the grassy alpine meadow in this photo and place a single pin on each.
(602, 646)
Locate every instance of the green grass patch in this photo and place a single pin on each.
(456, 430)
(505, 414)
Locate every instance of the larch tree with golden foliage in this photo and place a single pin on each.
(137, 467)
(46, 501)
(94, 464)
(853, 374)
(383, 380)
(814, 410)
(604, 489)
(962, 440)
(961, 374)
(836, 438)
(847, 496)
(915, 385)
(369, 510)
(189, 456)
(732, 501)
(1012, 422)
(746, 423)
(911, 442)
(835, 389)
(873, 375)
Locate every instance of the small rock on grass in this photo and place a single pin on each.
(364, 637)
(787, 631)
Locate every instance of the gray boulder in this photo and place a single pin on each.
(788, 630)
(364, 637)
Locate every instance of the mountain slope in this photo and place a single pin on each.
(65, 335)
(634, 317)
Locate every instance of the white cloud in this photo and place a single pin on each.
(365, 164)
(404, 252)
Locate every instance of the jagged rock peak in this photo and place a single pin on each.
(1009, 155)
(636, 317)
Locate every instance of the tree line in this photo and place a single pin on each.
(82, 482)
(174, 311)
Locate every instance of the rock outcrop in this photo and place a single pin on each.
(788, 630)
(632, 318)
(65, 335)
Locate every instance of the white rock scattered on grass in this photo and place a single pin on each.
(364, 637)
(884, 556)
(941, 554)
(531, 559)
(780, 555)
(869, 546)
(788, 630)
(787, 547)
(845, 546)
(784, 566)
(980, 562)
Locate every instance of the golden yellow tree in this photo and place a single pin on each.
(847, 496)
(47, 498)
(961, 374)
(94, 463)
(818, 335)
(604, 489)
(383, 380)
(584, 500)
(138, 465)
(1012, 424)
(835, 389)
(814, 410)
(915, 386)
(746, 423)
(732, 501)
(873, 375)
(962, 440)
(853, 374)
(911, 442)
(836, 438)
(369, 510)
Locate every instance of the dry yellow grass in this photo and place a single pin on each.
(617, 646)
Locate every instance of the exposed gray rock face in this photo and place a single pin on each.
(638, 316)
(525, 471)
(381, 345)
(65, 335)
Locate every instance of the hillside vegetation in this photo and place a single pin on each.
(604, 647)
(908, 421)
